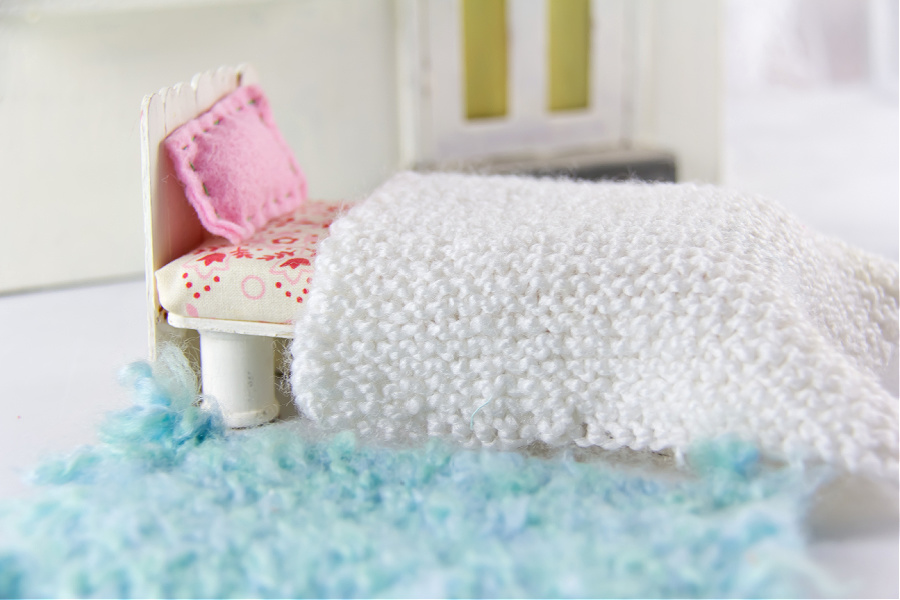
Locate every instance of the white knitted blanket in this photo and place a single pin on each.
(506, 311)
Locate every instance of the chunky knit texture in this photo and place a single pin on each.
(172, 505)
(506, 311)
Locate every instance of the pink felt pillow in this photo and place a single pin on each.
(238, 172)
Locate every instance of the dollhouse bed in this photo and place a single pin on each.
(512, 312)
(237, 295)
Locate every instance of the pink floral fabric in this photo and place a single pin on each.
(265, 278)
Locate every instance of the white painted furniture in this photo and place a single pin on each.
(433, 127)
(236, 357)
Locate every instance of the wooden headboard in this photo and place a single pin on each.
(171, 227)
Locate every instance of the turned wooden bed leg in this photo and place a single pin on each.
(239, 372)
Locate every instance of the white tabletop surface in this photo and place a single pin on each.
(830, 157)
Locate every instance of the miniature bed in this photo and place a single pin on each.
(171, 504)
(238, 295)
(508, 311)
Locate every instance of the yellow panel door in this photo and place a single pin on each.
(568, 54)
(485, 58)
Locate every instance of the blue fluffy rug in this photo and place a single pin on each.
(172, 505)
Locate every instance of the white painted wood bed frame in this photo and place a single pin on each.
(236, 357)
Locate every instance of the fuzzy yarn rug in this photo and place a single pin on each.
(507, 311)
(170, 504)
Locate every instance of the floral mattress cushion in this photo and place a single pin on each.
(265, 278)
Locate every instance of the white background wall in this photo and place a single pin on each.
(71, 83)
